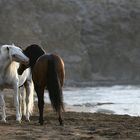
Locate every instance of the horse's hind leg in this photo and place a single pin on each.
(41, 106)
(40, 95)
(2, 104)
(60, 118)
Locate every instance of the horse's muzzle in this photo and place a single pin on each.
(19, 72)
(26, 63)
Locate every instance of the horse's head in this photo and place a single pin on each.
(14, 53)
(33, 52)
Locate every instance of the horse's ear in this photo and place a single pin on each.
(20, 47)
(8, 48)
(13, 44)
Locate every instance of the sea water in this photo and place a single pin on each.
(111, 100)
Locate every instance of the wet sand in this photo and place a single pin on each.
(77, 126)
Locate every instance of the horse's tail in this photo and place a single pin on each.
(53, 85)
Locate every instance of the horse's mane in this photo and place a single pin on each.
(33, 52)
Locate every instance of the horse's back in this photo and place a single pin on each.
(42, 65)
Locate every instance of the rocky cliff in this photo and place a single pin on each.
(98, 39)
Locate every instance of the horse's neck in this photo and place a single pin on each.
(4, 63)
(34, 59)
(32, 63)
(32, 67)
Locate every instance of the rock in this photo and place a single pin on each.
(98, 40)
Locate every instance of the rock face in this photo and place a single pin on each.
(98, 39)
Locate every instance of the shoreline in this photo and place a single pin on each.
(98, 83)
(77, 126)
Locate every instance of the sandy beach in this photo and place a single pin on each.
(77, 126)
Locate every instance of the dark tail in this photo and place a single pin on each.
(54, 86)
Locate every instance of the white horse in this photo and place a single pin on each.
(9, 78)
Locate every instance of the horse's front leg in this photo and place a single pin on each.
(40, 95)
(2, 104)
(16, 103)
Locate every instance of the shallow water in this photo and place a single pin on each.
(112, 100)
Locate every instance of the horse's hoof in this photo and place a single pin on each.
(61, 124)
(27, 117)
(3, 120)
(18, 120)
(41, 122)
(27, 120)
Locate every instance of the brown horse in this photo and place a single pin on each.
(47, 72)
